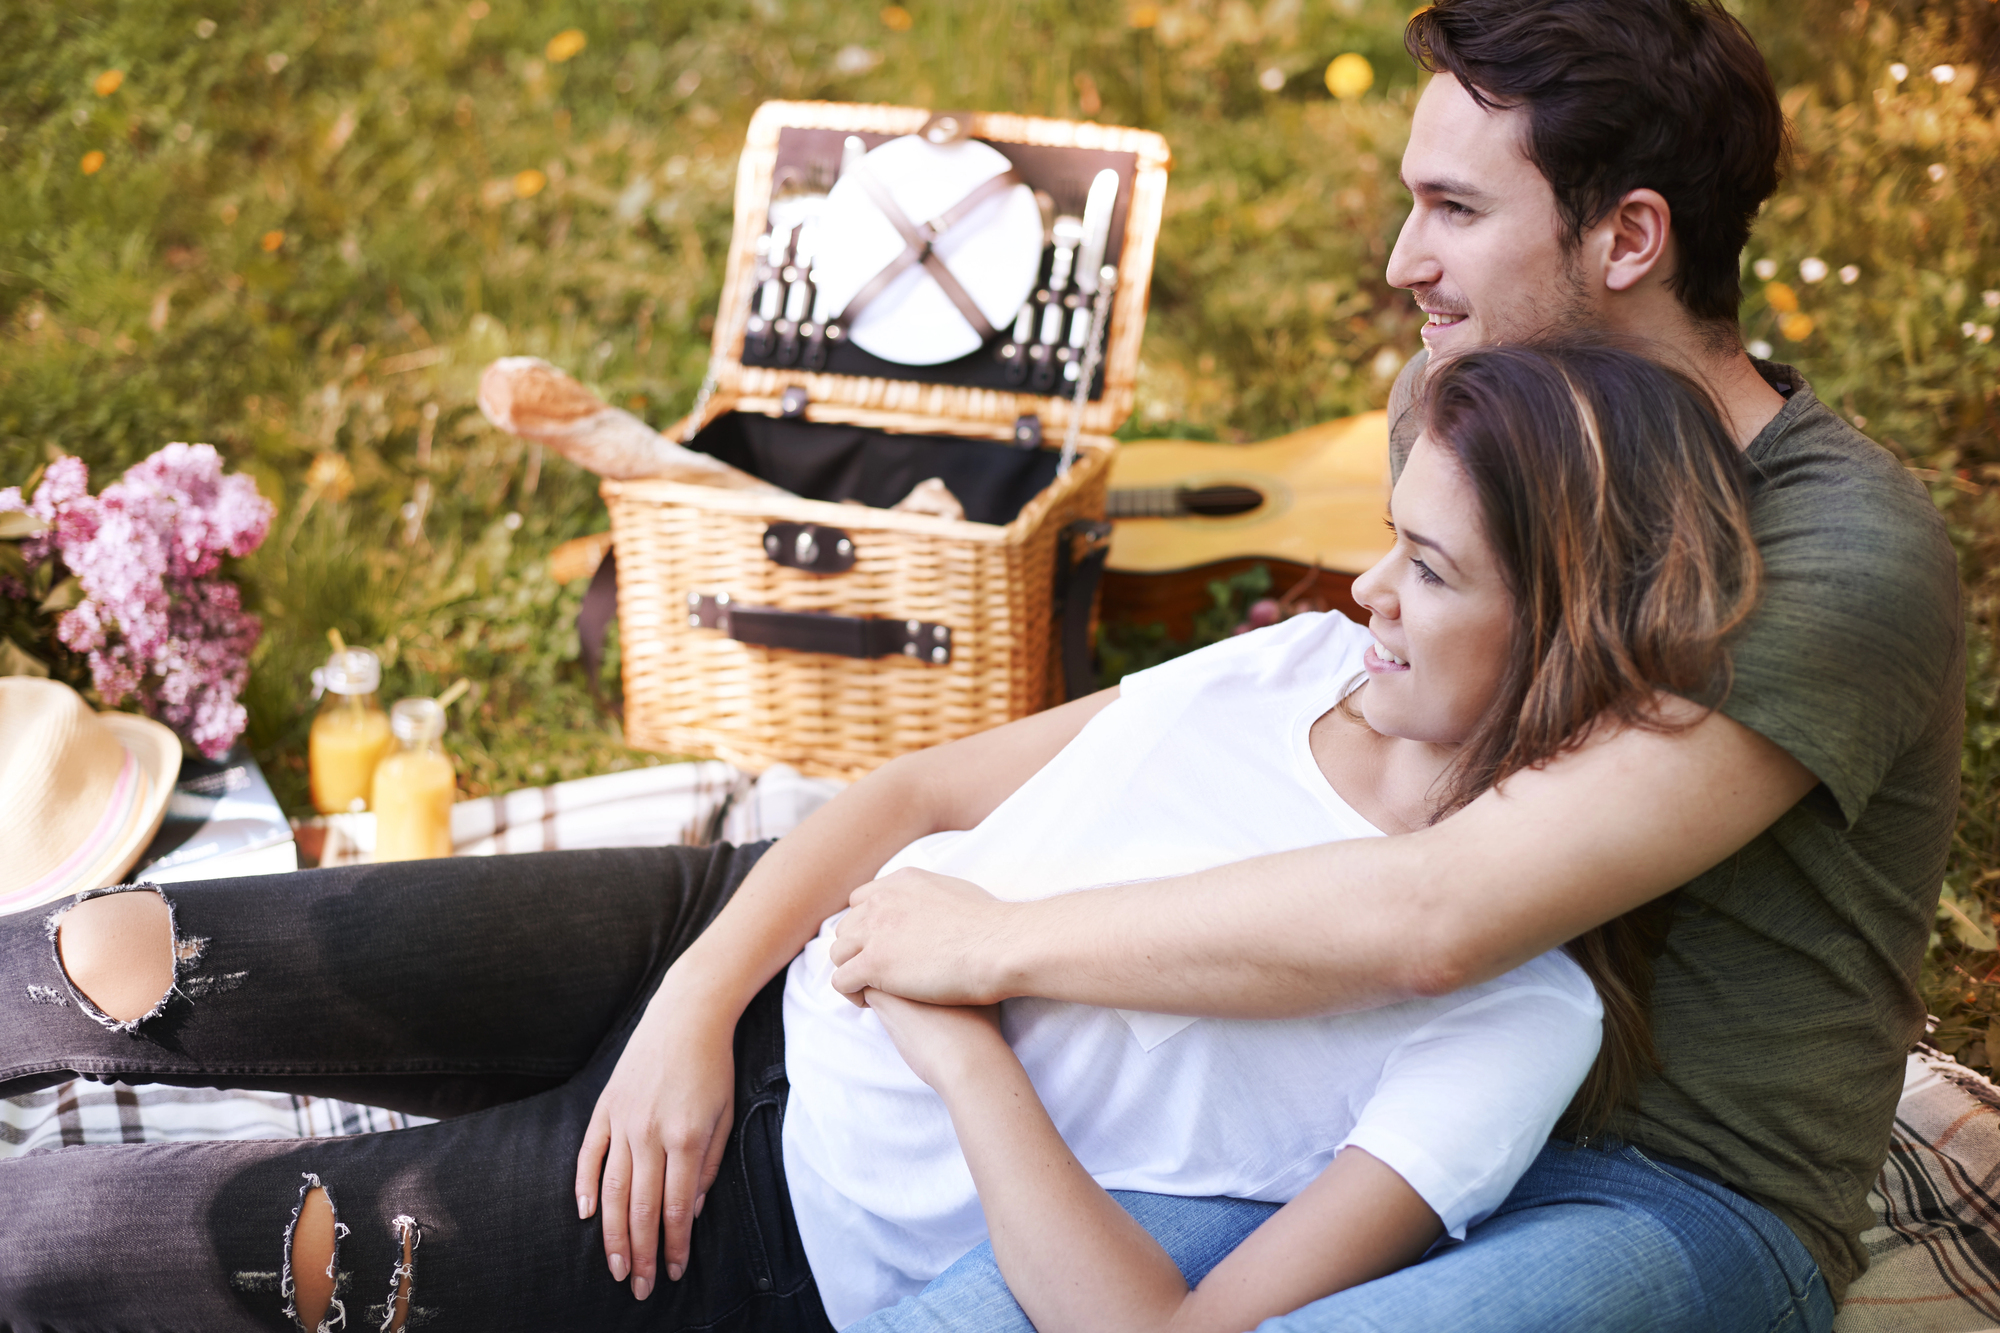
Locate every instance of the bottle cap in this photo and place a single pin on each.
(418, 719)
(350, 671)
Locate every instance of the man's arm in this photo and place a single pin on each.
(1350, 925)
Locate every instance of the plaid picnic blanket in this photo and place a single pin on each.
(1934, 1251)
(78, 1112)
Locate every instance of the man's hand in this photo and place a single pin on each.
(938, 1040)
(922, 936)
(656, 1136)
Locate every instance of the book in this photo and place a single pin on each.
(222, 821)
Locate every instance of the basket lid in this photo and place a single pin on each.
(969, 395)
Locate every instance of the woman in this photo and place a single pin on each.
(1540, 513)
(1573, 538)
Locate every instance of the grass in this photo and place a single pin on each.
(305, 228)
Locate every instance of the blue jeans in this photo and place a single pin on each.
(1590, 1241)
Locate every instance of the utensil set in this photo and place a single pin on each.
(1048, 345)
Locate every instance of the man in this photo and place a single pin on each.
(1596, 165)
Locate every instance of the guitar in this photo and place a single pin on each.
(1185, 513)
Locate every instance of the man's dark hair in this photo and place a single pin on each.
(1620, 95)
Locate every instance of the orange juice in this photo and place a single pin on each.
(414, 787)
(345, 746)
(351, 733)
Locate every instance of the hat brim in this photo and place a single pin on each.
(156, 751)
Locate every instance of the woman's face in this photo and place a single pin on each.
(1440, 610)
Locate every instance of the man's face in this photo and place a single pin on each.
(1482, 248)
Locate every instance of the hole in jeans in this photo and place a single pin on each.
(119, 953)
(312, 1243)
(395, 1312)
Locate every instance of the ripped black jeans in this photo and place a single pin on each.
(496, 993)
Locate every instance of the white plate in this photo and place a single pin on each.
(995, 252)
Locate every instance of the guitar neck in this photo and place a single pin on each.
(1145, 502)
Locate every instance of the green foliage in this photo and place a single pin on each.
(1123, 647)
(30, 601)
(314, 224)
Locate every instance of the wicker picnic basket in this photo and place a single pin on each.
(832, 636)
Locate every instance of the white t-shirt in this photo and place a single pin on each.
(1201, 762)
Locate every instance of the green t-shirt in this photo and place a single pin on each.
(1786, 998)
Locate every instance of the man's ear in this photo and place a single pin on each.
(1634, 239)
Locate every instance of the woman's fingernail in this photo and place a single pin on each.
(641, 1288)
(673, 1272)
(699, 1200)
(583, 1205)
(618, 1269)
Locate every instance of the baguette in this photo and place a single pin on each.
(526, 396)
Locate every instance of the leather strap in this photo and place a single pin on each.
(593, 619)
(918, 241)
(820, 631)
(1075, 593)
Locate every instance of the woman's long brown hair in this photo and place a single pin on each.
(1616, 504)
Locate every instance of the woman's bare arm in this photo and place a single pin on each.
(656, 1136)
(1076, 1261)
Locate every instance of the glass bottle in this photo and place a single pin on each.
(414, 786)
(350, 733)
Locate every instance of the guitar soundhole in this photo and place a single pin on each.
(1220, 501)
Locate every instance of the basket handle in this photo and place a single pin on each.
(820, 631)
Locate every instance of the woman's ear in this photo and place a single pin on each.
(1634, 238)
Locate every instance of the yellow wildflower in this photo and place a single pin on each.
(565, 44)
(529, 183)
(330, 476)
(93, 162)
(1145, 16)
(108, 82)
(1781, 298)
(1795, 326)
(1350, 75)
(271, 240)
(896, 18)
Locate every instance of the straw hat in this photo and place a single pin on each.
(81, 793)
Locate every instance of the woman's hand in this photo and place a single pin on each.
(938, 1041)
(657, 1135)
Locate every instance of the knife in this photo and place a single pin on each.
(1097, 210)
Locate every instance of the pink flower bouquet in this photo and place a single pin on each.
(145, 599)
